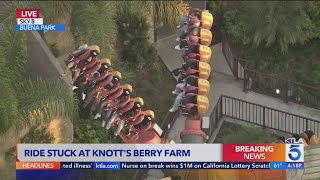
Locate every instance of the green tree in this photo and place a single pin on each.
(12, 60)
(270, 23)
(162, 12)
(22, 101)
(133, 29)
(90, 131)
(43, 100)
(93, 23)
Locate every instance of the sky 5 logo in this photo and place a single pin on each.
(294, 153)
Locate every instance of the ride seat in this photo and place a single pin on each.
(143, 126)
(314, 140)
(305, 143)
(207, 19)
(114, 95)
(191, 98)
(192, 89)
(205, 53)
(78, 53)
(205, 70)
(204, 87)
(205, 37)
(203, 104)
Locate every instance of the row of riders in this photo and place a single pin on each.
(101, 94)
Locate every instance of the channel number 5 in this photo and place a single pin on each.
(294, 152)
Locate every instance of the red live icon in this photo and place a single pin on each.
(27, 13)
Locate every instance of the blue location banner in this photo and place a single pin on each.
(43, 27)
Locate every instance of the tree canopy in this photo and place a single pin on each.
(272, 23)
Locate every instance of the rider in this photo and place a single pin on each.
(89, 71)
(100, 74)
(138, 103)
(80, 66)
(129, 115)
(148, 117)
(95, 91)
(184, 33)
(189, 81)
(127, 90)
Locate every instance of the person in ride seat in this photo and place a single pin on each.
(193, 22)
(138, 103)
(310, 137)
(80, 66)
(129, 115)
(100, 74)
(189, 81)
(127, 90)
(148, 117)
(94, 92)
(90, 71)
(183, 25)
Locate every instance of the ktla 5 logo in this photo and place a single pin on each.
(294, 153)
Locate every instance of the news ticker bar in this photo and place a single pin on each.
(40, 27)
(158, 165)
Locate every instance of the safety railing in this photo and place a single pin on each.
(268, 84)
(263, 116)
(215, 116)
(237, 65)
(281, 88)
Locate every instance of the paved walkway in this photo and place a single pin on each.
(223, 83)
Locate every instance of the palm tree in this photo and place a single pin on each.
(273, 23)
(162, 12)
(43, 100)
(93, 23)
(25, 102)
(12, 60)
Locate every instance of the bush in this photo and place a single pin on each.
(233, 133)
(133, 38)
(54, 49)
(38, 135)
(90, 131)
(13, 53)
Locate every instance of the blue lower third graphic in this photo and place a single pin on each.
(44, 27)
(278, 165)
(107, 165)
(295, 165)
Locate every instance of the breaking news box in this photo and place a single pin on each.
(57, 160)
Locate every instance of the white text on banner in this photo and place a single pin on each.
(21, 21)
(119, 152)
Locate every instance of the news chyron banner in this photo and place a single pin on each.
(30, 20)
(160, 156)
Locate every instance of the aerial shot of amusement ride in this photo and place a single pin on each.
(160, 90)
